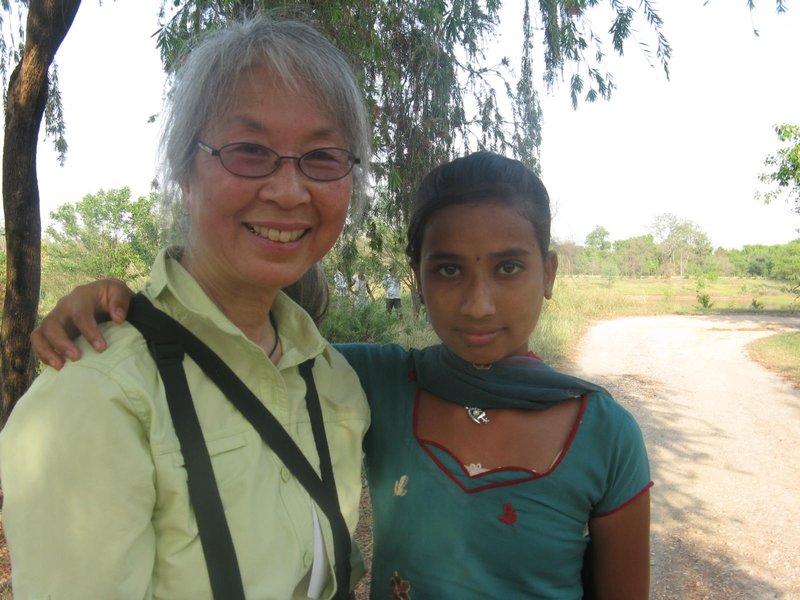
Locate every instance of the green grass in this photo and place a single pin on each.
(779, 353)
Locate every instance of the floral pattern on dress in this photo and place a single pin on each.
(398, 588)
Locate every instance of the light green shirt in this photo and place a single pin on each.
(96, 504)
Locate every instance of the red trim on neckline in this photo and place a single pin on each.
(424, 445)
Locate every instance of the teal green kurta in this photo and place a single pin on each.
(508, 533)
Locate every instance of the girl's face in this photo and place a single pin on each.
(264, 233)
(483, 279)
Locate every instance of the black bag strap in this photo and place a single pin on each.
(215, 536)
(167, 340)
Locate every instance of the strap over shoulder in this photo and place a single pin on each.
(168, 340)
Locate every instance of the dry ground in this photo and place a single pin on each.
(723, 436)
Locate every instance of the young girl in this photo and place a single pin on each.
(489, 472)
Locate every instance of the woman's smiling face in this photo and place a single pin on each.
(264, 233)
(484, 279)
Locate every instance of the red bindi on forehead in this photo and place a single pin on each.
(477, 259)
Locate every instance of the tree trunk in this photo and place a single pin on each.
(47, 24)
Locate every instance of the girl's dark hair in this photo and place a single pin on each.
(479, 177)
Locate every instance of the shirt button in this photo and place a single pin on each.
(307, 559)
(285, 474)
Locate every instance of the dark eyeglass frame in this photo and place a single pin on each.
(218, 152)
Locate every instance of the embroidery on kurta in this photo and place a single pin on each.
(400, 486)
(509, 516)
(399, 589)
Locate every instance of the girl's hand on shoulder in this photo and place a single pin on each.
(79, 313)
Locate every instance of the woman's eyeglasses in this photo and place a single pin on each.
(253, 160)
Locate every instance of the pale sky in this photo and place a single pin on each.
(692, 146)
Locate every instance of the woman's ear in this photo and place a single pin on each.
(550, 268)
(186, 192)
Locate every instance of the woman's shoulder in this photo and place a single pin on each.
(99, 384)
(124, 346)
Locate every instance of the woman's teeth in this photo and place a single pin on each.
(276, 235)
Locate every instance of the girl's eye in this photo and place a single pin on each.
(448, 270)
(510, 268)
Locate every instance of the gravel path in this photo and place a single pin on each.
(723, 435)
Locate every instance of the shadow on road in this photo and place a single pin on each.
(689, 557)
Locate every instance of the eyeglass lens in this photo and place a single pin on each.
(254, 160)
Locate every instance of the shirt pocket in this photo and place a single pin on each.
(229, 458)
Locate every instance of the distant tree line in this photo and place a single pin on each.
(675, 247)
(110, 234)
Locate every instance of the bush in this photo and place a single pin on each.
(704, 300)
(366, 323)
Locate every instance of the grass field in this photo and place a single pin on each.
(779, 353)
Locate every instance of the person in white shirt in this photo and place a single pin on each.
(361, 288)
(391, 282)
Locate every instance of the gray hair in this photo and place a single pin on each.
(300, 56)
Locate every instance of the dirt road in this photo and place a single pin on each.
(723, 436)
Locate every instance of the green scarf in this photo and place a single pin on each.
(515, 382)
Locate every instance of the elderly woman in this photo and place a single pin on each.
(265, 132)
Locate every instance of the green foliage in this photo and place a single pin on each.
(610, 273)
(104, 235)
(704, 300)
(683, 250)
(780, 353)
(432, 91)
(785, 261)
(772, 262)
(569, 39)
(598, 239)
(366, 323)
(636, 256)
(784, 167)
(703, 297)
(681, 242)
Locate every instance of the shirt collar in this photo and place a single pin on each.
(172, 285)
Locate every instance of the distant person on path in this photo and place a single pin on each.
(361, 288)
(491, 474)
(391, 283)
(340, 284)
